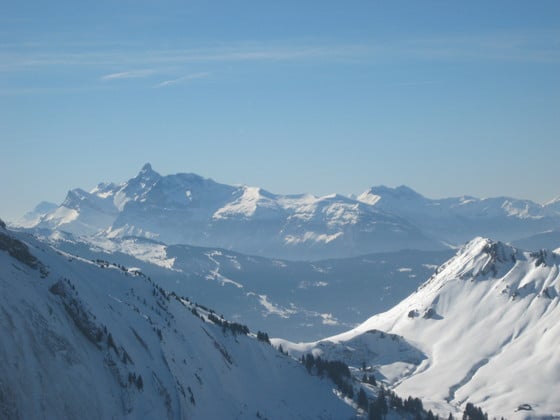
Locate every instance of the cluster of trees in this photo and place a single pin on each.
(136, 380)
(337, 371)
(20, 252)
(234, 327)
(387, 399)
(379, 407)
(83, 319)
(106, 264)
(472, 412)
(262, 336)
(369, 379)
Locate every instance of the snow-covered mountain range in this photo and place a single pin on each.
(484, 329)
(189, 209)
(459, 219)
(481, 330)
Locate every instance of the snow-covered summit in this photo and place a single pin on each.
(376, 193)
(251, 202)
(478, 259)
(485, 319)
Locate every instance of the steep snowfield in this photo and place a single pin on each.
(488, 324)
(77, 337)
(251, 202)
(189, 209)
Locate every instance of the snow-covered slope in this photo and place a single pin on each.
(92, 340)
(488, 323)
(292, 299)
(82, 212)
(459, 219)
(189, 209)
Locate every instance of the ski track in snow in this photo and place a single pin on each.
(215, 274)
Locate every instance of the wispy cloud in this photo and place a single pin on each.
(13, 59)
(536, 46)
(182, 79)
(132, 74)
(138, 61)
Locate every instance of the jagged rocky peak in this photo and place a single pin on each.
(480, 258)
(481, 246)
(148, 172)
(74, 197)
(104, 189)
(147, 167)
(137, 186)
(500, 252)
(2, 224)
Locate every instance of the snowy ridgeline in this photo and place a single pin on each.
(484, 329)
(189, 209)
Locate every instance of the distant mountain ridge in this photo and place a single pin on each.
(189, 209)
(459, 219)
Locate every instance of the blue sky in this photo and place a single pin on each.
(450, 98)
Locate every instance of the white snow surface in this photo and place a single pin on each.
(251, 200)
(485, 329)
(59, 361)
